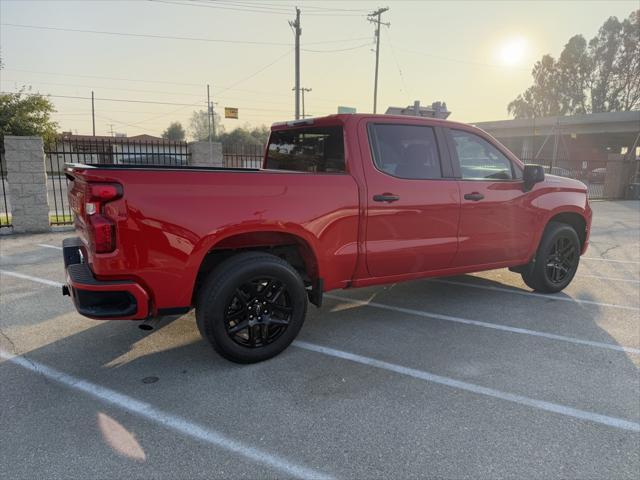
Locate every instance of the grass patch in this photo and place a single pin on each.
(5, 219)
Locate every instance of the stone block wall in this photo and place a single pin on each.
(204, 154)
(27, 181)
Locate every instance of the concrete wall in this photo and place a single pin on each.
(204, 154)
(620, 173)
(27, 183)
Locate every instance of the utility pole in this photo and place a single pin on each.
(302, 90)
(210, 126)
(298, 31)
(375, 17)
(93, 114)
(209, 113)
(111, 128)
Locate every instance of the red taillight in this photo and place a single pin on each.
(104, 192)
(102, 229)
(104, 234)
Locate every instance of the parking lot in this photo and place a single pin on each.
(465, 377)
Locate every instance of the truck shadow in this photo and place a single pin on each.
(417, 340)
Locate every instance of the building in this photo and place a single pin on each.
(576, 142)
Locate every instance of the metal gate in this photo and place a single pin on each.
(592, 174)
(243, 155)
(102, 151)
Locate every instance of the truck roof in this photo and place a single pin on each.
(343, 118)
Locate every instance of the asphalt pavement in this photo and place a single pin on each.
(465, 377)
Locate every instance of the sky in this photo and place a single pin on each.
(153, 64)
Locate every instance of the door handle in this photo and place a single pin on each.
(386, 197)
(475, 196)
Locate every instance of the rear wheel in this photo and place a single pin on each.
(556, 260)
(251, 307)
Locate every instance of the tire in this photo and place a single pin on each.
(556, 260)
(251, 307)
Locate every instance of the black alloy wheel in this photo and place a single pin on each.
(556, 260)
(258, 313)
(251, 306)
(561, 259)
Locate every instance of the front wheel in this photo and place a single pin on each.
(251, 307)
(556, 260)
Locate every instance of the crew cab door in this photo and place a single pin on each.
(412, 199)
(496, 220)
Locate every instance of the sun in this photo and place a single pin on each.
(513, 51)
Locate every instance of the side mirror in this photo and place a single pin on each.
(532, 174)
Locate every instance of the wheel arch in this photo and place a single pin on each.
(292, 247)
(575, 220)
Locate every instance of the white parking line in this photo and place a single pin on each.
(471, 387)
(33, 279)
(167, 420)
(609, 279)
(534, 294)
(421, 313)
(49, 246)
(494, 326)
(193, 430)
(608, 260)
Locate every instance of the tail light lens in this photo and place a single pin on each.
(101, 228)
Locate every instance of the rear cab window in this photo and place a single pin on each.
(309, 149)
(405, 151)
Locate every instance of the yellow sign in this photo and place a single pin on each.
(230, 112)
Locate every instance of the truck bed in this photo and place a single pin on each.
(169, 218)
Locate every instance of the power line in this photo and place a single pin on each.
(168, 37)
(337, 50)
(395, 58)
(143, 35)
(458, 60)
(256, 72)
(282, 5)
(99, 87)
(137, 90)
(255, 9)
(128, 100)
(102, 77)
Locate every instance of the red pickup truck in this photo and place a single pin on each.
(342, 201)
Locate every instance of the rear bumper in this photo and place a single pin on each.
(100, 299)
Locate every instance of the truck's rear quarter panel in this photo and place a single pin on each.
(168, 220)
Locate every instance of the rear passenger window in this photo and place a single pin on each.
(405, 151)
(479, 159)
(307, 150)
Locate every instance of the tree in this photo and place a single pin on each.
(543, 97)
(616, 51)
(246, 135)
(26, 114)
(199, 126)
(599, 76)
(174, 132)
